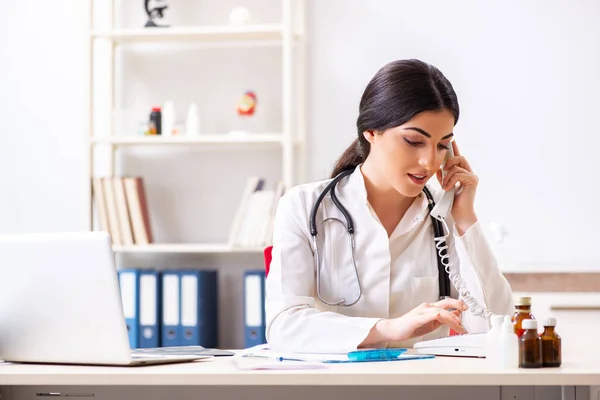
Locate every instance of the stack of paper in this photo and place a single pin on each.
(261, 357)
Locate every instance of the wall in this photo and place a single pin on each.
(43, 158)
(525, 75)
(527, 82)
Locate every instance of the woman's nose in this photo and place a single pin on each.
(428, 160)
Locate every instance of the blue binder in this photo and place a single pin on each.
(254, 308)
(129, 280)
(171, 312)
(199, 311)
(149, 297)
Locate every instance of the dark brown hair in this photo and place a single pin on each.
(398, 91)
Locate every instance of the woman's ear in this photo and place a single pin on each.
(369, 135)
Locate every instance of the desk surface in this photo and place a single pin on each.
(223, 371)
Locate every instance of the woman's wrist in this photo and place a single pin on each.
(465, 222)
(377, 335)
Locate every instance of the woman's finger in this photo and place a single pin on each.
(465, 179)
(460, 161)
(455, 148)
(442, 316)
(452, 320)
(450, 174)
(438, 174)
(449, 302)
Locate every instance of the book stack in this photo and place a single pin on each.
(253, 223)
(122, 209)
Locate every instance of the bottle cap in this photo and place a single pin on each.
(507, 326)
(497, 320)
(529, 324)
(155, 108)
(550, 321)
(523, 301)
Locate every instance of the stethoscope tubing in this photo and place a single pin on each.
(438, 229)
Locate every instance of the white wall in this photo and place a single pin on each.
(526, 77)
(526, 74)
(43, 157)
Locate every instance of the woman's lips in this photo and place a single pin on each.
(417, 179)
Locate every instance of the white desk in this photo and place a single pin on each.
(219, 376)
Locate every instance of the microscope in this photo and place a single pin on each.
(155, 9)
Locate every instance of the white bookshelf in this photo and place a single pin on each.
(263, 32)
(289, 33)
(204, 139)
(214, 248)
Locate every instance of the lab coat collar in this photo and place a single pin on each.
(415, 214)
(356, 185)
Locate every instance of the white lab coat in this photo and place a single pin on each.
(396, 274)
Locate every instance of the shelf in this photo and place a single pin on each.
(185, 248)
(200, 34)
(221, 139)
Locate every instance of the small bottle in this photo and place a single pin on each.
(155, 127)
(551, 344)
(508, 345)
(167, 122)
(491, 339)
(522, 312)
(192, 122)
(530, 346)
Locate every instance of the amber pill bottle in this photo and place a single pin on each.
(530, 345)
(551, 344)
(522, 312)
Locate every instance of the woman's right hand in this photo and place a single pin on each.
(424, 319)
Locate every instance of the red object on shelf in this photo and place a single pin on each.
(247, 104)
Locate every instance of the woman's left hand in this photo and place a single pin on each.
(459, 170)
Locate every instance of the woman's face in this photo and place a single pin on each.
(408, 155)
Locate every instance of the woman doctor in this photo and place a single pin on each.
(405, 126)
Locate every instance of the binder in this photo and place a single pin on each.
(149, 332)
(254, 308)
(199, 311)
(170, 309)
(129, 280)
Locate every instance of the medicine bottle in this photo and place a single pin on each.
(530, 346)
(551, 344)
(522, 312)
(492, 351)
(508, 345)
(155, 121)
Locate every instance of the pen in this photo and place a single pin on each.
(276, 358)
(289, 359)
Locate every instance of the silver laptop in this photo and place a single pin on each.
(60, 303)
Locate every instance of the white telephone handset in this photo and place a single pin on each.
(443, 207)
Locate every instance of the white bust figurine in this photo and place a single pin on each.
(239, 16)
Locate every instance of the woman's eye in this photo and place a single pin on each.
(412, 143)
(416, 144)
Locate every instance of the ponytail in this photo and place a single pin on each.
(354, 155)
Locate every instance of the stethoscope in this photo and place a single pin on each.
(438, 229)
